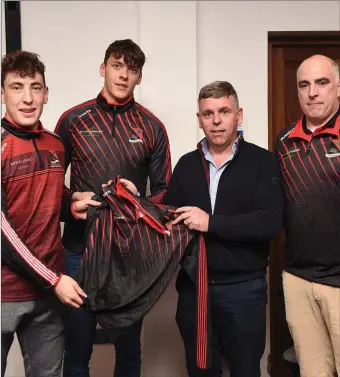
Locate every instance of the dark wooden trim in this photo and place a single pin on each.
(270, 95)
(12, 26)
(303, 37)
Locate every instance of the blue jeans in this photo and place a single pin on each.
(80, 331)
(238, 315)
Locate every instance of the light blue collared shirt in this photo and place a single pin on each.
(215, 173)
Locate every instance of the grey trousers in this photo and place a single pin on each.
(40, 332)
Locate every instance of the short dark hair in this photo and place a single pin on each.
(218, 89)
(23, 63)
(132, 53)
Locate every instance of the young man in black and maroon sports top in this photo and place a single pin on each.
(108, 136)
(32, 177)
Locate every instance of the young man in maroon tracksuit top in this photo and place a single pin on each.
(32, 177)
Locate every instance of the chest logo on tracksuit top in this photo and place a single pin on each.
(290, 153)
(92, 132)
(136, 136)
(55, 163)
(334, 150)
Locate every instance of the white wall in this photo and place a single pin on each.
(187, 45)
(232, 45)
(168, 37)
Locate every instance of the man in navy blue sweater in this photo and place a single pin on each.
(230, 190)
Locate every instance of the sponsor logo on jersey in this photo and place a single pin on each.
(84, 113)
(55, 163)
(285, 135)
(290, 153)
(137, 136)
(93, 132)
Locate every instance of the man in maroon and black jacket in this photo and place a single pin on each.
(108, 136)
(32, 177)
(309, 156)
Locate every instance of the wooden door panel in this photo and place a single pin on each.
(284, 65)
(292, 106)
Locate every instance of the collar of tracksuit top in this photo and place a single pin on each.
(132, 251)
(23, 133)
(114, 107)
(19, 131)
(303, 132)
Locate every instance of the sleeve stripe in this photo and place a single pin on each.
(157, 198)
(15, 241)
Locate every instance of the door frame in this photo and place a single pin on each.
(275, 40)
